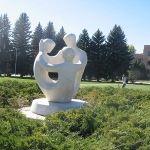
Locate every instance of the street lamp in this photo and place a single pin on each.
(16, 63)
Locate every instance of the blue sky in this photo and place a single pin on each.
(75, 15)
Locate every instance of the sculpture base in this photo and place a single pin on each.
(26, 111)
(43, 107)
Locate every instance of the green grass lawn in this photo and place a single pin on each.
(117, 85)
(84, 84)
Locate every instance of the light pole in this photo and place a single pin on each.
(16, 63)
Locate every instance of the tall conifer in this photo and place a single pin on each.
(36, 37)
(21, 45)
(5, 45)
(1, 41)
(59, 41)
(97, 54)
(118, 57)
(49, 31)
(84, 43)
(83, 40)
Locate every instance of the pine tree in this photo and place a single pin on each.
(5, 45)
(118, 57)
(21, 45)
(89, 70)
(36, 37)
(1, 41)
(98, 51)
(83, 40)
(49, 31)
(59, 45)
(59, 42)
(84, 43)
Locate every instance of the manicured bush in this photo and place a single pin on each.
(113, 119)
(18, 94)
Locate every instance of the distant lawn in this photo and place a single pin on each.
(116, 85)
(84, 84)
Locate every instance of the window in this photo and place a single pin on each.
(148, 62)
(148, 53)
(139, 59)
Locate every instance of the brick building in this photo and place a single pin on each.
(145, 58)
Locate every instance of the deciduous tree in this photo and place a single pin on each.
(137, 72)
(132, 48)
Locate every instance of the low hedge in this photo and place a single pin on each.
(113, 119)
(18, 94)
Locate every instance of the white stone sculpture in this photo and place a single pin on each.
(69, 73)
(69, 63)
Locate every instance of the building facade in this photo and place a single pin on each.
(145, 58)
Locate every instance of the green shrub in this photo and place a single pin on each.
(113, 119)
(18, 94)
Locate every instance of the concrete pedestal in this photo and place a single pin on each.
(43, 107)
(26, 111)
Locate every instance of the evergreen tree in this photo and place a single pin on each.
(83, 40)
(89, 70)
(59, 42)
(98, 51)
(49, 31)
(118, 57)
(84, 43)
(5, 45)
(21, 45)
(59, 45)
(1, 41)
(36, 37)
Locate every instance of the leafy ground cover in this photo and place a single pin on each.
(17, 79)
(113, 119)
(18, 94)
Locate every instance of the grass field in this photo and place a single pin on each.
(83, 84)
(117, 85)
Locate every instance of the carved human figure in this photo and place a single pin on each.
(41, 75)
(63, 89)
(69, 72)
(80, 55)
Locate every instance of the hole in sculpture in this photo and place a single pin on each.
(53, 75)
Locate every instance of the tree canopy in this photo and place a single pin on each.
(21, 44)
(98, 54)
(84, 44)
(131, 48)
(107, 58)
(59, 41)
(118, 57)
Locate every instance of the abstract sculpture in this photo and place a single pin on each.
(69, 63)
